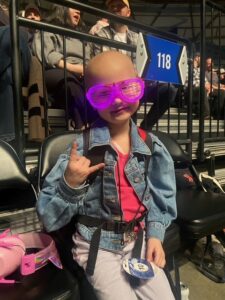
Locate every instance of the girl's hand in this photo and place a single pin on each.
(155, 252)
(78, 168)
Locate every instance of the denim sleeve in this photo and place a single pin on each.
(163, 191)
(57, 202)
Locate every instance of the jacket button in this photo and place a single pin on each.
(136, 180)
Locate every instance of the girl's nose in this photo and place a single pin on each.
(117, 100)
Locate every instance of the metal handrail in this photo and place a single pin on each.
(17, 21)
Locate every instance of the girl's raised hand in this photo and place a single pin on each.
(78, 168)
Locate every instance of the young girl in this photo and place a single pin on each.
(113, 209)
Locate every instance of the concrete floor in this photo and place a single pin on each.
(200, 287)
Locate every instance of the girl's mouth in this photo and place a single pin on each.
(120, 109)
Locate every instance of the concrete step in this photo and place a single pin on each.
(57, 122)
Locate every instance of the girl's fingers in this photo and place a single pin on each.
(73, 152)
(96, 168)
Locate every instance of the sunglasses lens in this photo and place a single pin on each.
(102, 96)
(99, 96)
(132, 90)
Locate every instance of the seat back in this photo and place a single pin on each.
(186, 174)
(51, 148)
(175, 150)
(199, 213)
(16, 190)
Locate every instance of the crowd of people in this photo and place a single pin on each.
(70, 54)
(214, 95)
(66, 57)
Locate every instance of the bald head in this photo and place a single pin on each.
(109, 67)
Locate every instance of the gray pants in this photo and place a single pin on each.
(111, 282)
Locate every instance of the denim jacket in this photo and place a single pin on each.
(58, 202)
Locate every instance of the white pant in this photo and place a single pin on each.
(111, 282)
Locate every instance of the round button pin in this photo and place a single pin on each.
(139, 268)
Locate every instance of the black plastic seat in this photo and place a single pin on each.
(45, 284)
(199, 213)
(51, 148)
(172, 241)
(17, 192)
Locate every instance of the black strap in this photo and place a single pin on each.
(86, 137)
(149, 143)
(110, 225)
(138, 244)
(97, 157)
(93, 251)
(117, 227)
(174, 285)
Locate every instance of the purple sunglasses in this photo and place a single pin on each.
(101, 96)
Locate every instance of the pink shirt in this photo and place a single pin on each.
(130, 202)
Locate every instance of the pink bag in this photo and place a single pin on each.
(13, 249)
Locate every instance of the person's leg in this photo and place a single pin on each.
(162, 96)
(25, 56)
(221, 105)
(78, 109)
(206, 105)
(196, 102)
(218, 104)
(7, 129)
(109, 281)
(153, 289)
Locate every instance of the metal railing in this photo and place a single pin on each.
(17, 21)
(211, 16)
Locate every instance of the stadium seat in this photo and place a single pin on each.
(51, 148)
(17, 192)
(200, 213)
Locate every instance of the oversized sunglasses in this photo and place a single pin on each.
(101, 96)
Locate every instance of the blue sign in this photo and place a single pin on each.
(161, 60)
